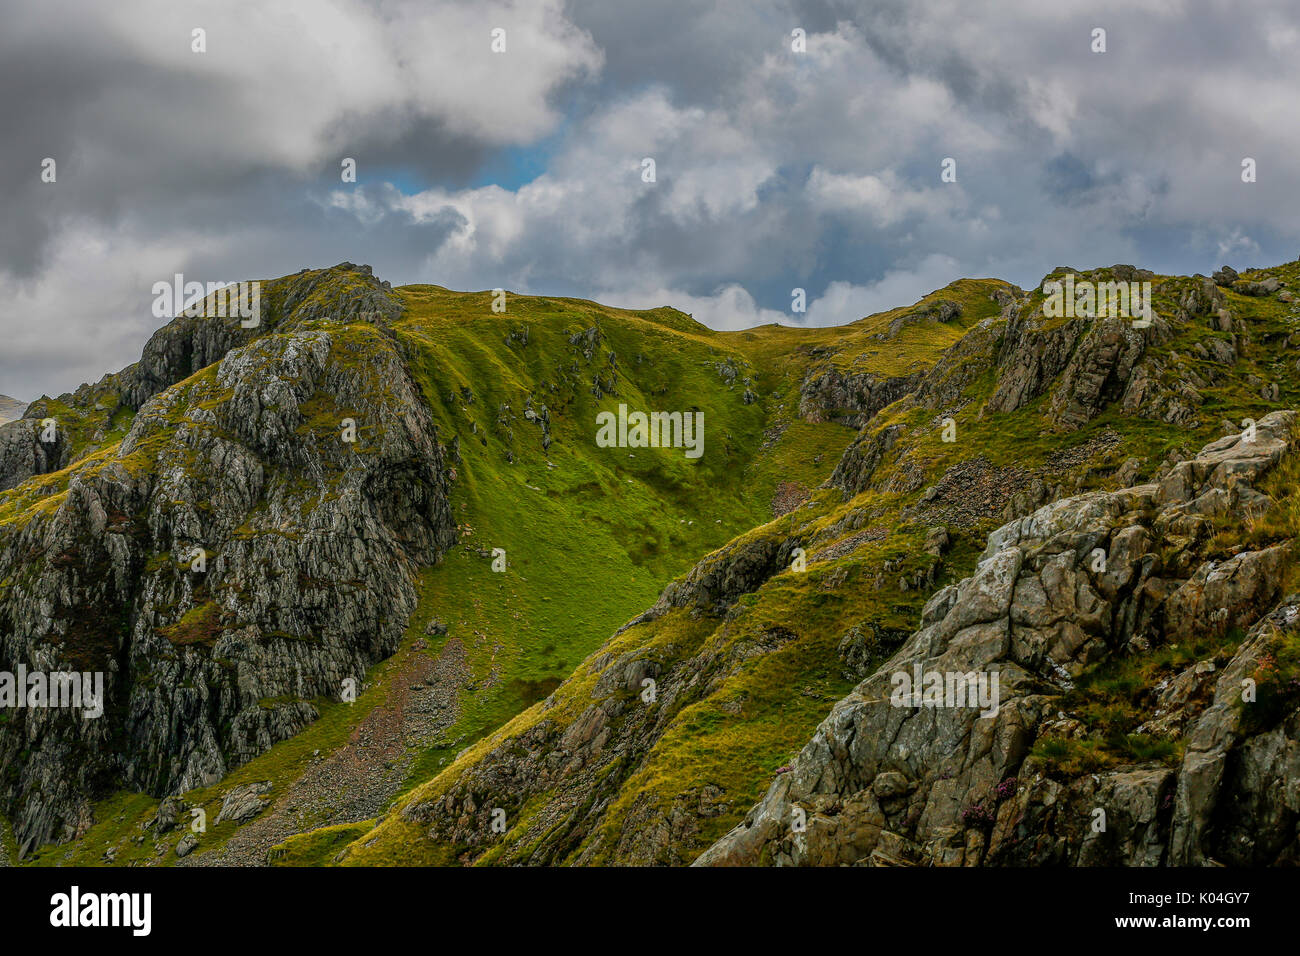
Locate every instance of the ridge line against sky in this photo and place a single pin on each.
(775, 168)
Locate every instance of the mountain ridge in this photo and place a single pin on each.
(828, 448)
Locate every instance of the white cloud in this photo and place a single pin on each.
(1237, 244)
(98, 282)
(729, 308)
(290, 87)
(845, 302)
(880, 198)
(774, 170)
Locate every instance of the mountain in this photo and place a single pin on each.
(1099, 512)
(1123, 631)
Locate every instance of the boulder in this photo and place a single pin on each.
(243, 803)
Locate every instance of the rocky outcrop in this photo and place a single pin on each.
(1087, 364)
(178, 350)
(248, 547)
(860, 460)
(243, 803)
(188, 344)
(24, 453)
(1082, 365)
(720, 578)
(1103, 577)
(850, 398)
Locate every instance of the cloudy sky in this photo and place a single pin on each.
(522, 169)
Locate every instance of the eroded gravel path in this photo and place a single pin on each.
(359, 780)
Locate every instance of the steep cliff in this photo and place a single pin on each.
(246, 547)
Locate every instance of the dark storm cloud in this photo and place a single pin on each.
(150, 138)
(775, 170)
(220, 164)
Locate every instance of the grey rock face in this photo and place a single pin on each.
(888, 780)
(308, 545)
(1085, 363)
(169, 812)
(852, 398)
(23, 454)
(861, 459)
(243, 803)
(184, 346)
(1236, 798)
(187, 345)
(1225, 276)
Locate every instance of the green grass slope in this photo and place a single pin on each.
(761, 677)
(590, 534)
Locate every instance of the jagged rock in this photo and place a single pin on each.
(1066, 586)
(187, 345)
(855, 468)
(1203, 299)
(169, 811)
(1225, 276)
(852, 398)
(855, 652)
(1227, 765)
(186, 845)
(23, 453)
(317, 593)
(1086, 364)
(243, 803)
(1127, 473)
(1222, 595)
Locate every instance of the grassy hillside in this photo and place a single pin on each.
(749, 687)
(592, 535)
